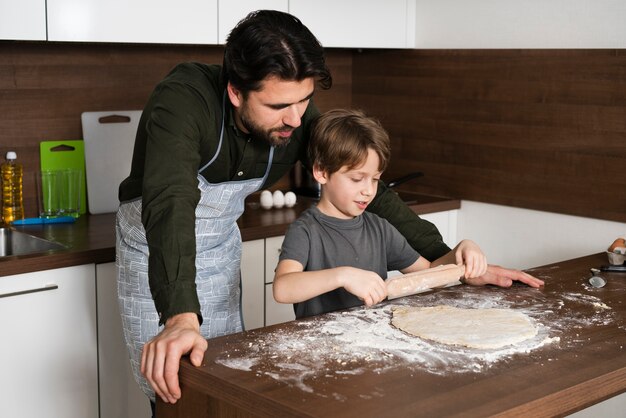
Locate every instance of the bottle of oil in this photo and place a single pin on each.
(12, 200)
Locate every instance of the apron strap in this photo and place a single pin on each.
(219, 145)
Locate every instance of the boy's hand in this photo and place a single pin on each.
(366, 285)
(470, 254)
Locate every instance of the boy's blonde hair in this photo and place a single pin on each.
(342, 137)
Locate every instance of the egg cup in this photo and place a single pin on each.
(616, 259)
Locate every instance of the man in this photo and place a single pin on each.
(207, 138)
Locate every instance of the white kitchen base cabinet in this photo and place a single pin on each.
(48, 353)
(276, 313)
(253, 283)
(446, 223)
(258, 262)
(120, 396)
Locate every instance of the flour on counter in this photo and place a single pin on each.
(362, 340)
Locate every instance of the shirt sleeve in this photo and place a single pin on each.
(169, 198)
(422, 235)
(296, 244)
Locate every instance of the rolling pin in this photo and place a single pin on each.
(424, 280)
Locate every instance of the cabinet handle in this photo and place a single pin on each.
(25, 292)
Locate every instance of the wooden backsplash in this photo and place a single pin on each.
(538, 129)
(44, 88)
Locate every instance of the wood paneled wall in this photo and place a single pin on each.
(45, 86)
(538, 129)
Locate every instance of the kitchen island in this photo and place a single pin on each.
(353, 363)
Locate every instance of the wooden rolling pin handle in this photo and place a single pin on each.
(421, 281)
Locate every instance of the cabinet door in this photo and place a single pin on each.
(446, 222)
(252, 283)
(142, 21)
(23, 20)
(272, 252)
(120, 396)
(276, 313)
(231, 12)
(359, 23)
(48, 354)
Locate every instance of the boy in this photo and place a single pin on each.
(336, 255)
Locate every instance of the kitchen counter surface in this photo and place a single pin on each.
(355, 364)
(92, 238)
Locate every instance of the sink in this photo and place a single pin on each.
(14, 242)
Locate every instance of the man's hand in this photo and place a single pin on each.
(503, 277)
(160, 358)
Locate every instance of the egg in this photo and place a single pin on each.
(620, 242)
(290, 199)
(279, 199)
(266, 200)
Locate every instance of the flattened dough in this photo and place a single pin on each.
(475, 328)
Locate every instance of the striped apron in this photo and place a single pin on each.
(218, 258)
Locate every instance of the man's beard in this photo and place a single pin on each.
(265, 134)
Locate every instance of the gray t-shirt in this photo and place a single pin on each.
(319, 242)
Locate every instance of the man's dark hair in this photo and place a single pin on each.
(272, 43)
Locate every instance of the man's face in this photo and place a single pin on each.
(273, 112)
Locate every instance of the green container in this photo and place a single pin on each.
(61, 183)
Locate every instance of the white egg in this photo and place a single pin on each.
(266, 199)
(290, 199)
(279, 199)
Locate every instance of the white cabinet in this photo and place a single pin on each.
(48, 354)
(275, 313)
(258, 261)
(446, 223)
(346, 23)
(253, 283)
(359, 23)
(140, 21)
(120, 396)
(23, 20)
(231, 12)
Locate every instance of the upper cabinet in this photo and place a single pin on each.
(359, 23)
(232, 12)
(337, 24)
(137, 21)
(23, 20)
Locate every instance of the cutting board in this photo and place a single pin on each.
(109, 140)
(58, 155)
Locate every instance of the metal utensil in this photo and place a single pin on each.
(595, 280)
(404, 179)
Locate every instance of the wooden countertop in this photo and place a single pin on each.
(354, 364)
(92, 238)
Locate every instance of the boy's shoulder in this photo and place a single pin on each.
(304, 220)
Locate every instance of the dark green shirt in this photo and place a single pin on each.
(178, 134)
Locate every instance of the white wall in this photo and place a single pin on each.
(523, 238)
(478, 24)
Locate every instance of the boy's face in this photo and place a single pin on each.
(346, 193)
(273, 112)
